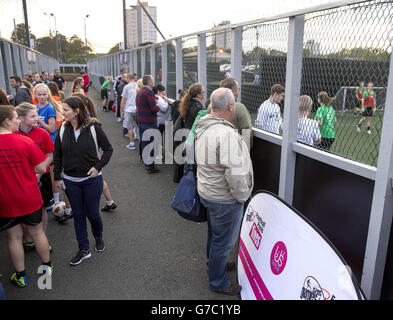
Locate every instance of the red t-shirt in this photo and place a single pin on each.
(42, 139)
(19, 191)
(86, 81)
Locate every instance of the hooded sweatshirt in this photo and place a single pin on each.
(224, 168)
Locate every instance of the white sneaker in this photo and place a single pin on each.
(118, 119)
(131, 146)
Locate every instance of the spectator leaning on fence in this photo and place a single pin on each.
(22, 92)
(326, 117)
(241, 118)
(225, 182)
(269, 113)
(307, 129)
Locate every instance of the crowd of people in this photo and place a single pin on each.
(51, 146)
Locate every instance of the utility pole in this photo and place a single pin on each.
(86, 50)
(125, 24)
(26, 24)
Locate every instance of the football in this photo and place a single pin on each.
(58, 209)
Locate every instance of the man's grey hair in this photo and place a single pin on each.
(130, 76)
(221, 98)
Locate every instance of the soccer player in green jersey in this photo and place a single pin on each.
(326, 118)
(369, 106)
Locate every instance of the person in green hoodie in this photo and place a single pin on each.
(326, 118)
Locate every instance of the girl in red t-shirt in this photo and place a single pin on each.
(28, 118)
(20, 196)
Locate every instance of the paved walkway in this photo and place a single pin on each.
(151, 253)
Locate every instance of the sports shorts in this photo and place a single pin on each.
(32, 219)
(46, 190)
(368, 112)
(129, 120)
(104, 94)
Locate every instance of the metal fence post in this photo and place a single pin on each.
(153, 61)
(382, 205)
(236, 57)
(291, 110)
(164, 64)
(179, 65)
(143, 62)
(202, 75)
(135, 56)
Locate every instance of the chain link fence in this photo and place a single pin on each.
(342, 47)
(190, 61)
(346, 54)
(263, 66)
(218, 56)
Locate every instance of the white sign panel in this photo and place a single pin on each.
(283, 257)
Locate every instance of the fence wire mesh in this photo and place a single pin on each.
(218, 58)
(158, 62)
(171, 60)
(190, 61)
(147, 61)
(343, 48)
(264, 65)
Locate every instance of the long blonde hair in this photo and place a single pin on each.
(139, 85)
(53, 102)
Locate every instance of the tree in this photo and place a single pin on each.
(20, 35)
(75, 50)
(47, 46)
(115, 48)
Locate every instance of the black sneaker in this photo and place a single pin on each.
(65, 217)
(82, 255)
(113, 206)
(100, 246)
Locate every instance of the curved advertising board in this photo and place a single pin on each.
(282, 256)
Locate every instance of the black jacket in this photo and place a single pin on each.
(76, 158)
(22, 95)
(192, 113)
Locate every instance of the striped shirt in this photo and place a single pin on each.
(146, 106)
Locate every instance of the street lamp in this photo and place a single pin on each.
(50, 32)
(86, 51)
(57, 38)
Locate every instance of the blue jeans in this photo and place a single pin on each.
(224, 220)
(85, 203)
(142, 128)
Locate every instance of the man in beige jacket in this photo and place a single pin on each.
(225, 182)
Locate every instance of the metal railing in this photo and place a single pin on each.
(16, 59)
(328, 48)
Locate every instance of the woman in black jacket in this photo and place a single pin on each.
(189, 107)
(77, 156)
(191, 104)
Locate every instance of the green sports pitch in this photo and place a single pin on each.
(351, 144)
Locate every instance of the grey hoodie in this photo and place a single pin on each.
(224, 168)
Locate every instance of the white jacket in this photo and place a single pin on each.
(224, 168)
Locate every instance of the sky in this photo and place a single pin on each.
(104, 26)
